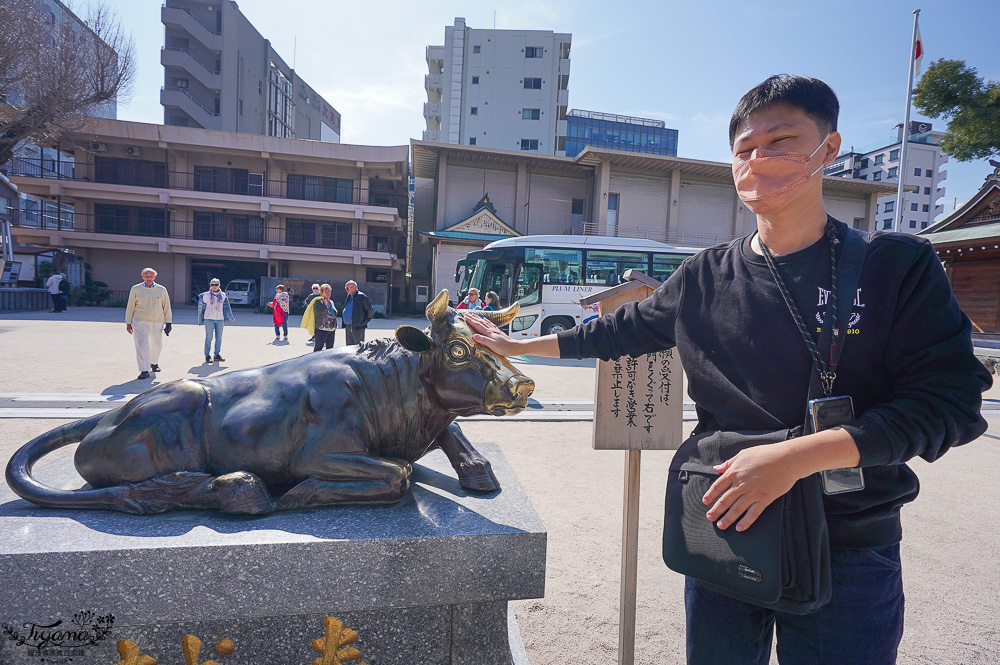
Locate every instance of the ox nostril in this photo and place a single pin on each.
(519, 387)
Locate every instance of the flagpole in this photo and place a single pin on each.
(906, 127)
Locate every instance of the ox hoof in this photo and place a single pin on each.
(241, 493)
(478, 476)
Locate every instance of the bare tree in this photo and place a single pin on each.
(54, 72)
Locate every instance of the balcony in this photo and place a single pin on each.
(182, 18)
(235, 181)
(564, 67)
(192, 65)
(143, 222)
(432, 135)
(434, 54)
(432, 82)
(181, 98)
(432, 110)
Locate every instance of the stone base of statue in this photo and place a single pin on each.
(425, 581)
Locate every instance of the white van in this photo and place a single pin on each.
(242, 292)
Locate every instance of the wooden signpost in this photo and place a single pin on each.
(638, 406)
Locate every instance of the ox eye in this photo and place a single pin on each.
(458, 352)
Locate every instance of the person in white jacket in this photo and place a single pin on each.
(52, 284)
(147, 318)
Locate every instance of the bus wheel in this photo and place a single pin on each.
(556, 324)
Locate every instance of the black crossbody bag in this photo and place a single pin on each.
(782, 561)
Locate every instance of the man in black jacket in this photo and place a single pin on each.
(907, 363)
(358, 313)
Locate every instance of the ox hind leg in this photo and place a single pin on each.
(346, 478)
(239, 492)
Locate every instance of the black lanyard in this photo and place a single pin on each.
(827, 371)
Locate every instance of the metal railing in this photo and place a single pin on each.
(214, 228)
(209, 68)
(659, 235)
(194, 16)
(147, 173)
(174, 88)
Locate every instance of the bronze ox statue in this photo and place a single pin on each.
(337, 427)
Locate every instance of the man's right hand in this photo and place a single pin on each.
(128, 327)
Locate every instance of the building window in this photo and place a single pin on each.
(877, 175)
(864, 163)
(913, 223)
(476, 48)
(475, 80)
(916, 171)
(923, 225)
(927, 208)
(893, 155)
(914, 207)
(927, 190)
(472, 141)
(531, 114)
(474, 110)
(879, 159)
(318, 188)
(928, 173)
(858, 221)
(532, 84)
(533, 52)
(893, 172)
(887, 223)
(529, 144)
(889, 206)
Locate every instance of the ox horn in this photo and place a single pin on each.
(501, 318)
(438, 308)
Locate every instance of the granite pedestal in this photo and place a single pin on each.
(424, 581)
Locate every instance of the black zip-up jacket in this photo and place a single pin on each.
(907, 360)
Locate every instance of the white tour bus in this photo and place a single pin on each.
(548, 275)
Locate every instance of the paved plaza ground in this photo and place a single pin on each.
(950, 551)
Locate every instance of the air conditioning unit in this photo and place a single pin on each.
(133, 151)
(98, 147)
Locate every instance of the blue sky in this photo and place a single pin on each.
(687, 63)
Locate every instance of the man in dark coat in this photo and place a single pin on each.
(358, 313)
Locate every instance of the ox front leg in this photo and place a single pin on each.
(474, 470)
(346, 478)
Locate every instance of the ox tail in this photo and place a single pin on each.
(20, 480)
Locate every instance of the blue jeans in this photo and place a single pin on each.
(861, 625)
(213, 326)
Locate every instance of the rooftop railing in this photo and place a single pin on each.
(659, 235)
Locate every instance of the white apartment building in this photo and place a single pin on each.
(503, 89)
(923, 183)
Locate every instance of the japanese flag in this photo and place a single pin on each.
(918, 53)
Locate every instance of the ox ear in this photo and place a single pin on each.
(413, 339)
(437, 310)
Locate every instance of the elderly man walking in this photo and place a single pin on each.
(147, 317)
